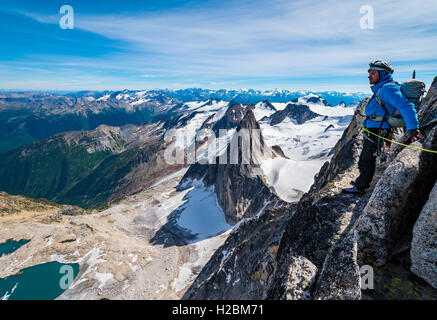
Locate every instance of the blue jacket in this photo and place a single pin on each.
(391, 96)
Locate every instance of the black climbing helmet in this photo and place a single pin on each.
(381, 65)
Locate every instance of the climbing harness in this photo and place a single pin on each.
(380, 146)
(392, 141)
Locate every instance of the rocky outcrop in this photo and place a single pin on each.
(242, 267)
(432, 92)
(343, 281)
(346, 151)
(318, 223)
(423, 245)
(396, 202)
(301, 275)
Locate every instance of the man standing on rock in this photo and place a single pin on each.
(389, 93)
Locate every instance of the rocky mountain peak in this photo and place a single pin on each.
(317, 99)
(295, 111)
(236, 174)
(269, 105)
(232, 118)
(248, 122)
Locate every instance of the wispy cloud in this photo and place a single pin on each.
(239, 41)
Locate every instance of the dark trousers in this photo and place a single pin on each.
(367, 161)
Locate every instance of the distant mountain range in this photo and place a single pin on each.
(198, 94)
(255, 96)
(27, 116)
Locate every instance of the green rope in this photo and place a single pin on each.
(405, 145)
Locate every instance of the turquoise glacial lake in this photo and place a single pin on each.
(45, 281)
(10, 246)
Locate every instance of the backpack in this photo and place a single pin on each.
(413, 90)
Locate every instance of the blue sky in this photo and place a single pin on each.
(284, 44)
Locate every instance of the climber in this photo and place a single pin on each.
(380, 77)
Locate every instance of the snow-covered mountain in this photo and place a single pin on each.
(305, 131)
(198, 94)
(255, 96)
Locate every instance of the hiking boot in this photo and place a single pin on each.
(354, 190)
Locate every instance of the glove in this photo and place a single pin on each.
(414, 135)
